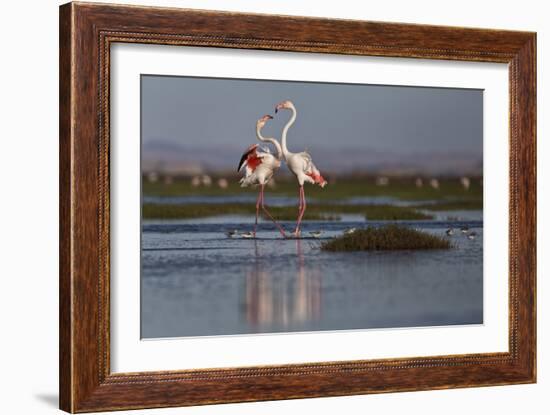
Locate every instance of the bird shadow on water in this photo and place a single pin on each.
(50, 399)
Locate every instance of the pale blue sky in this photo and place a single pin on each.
(202, 116)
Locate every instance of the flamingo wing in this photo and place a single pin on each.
(308, 162)
(250, 158)
(311, 170)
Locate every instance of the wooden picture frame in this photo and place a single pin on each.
(86, 33)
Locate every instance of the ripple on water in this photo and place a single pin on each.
(196, 281)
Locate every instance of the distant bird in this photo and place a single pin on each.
(231, 234)
(223, 183)
(349, 231)
(260, 165)
(196, 181)
(434, 183)
(450, 232)
(248, 235)
(465, 182)
(472, 236)
(316, 234)
(153, 177)
(464, 229)
(382, 181)
(300, 164)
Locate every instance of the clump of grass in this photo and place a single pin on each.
(389, 237)
(313, 212)
(389, 212)
(330, 211)
(322, 211)
(472, 204)
(193, 211)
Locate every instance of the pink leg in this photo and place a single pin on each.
(269, 214)
(300, 205)
(302, 210)
(258, 202)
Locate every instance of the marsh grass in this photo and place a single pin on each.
(468, 204)
(323, 211)
(345, 187)
(386, 238)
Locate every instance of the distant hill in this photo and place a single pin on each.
(189, 158)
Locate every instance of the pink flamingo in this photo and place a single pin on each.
(260, 167)
(301, 164)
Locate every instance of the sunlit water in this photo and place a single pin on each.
(196, 281)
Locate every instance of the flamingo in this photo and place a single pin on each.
(300, 164)
(260, 167)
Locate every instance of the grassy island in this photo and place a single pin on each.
(466, 204)
(320, 211)
(389, 237)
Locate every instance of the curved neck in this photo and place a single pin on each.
(285, 131)
(269, 140)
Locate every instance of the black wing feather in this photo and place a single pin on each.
(245, 157)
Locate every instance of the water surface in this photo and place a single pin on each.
(197, 282)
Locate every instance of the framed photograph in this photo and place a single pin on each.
(260, 207)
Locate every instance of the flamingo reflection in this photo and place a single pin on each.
(282, 300)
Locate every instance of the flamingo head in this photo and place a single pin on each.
(284, 105)
(263, 120)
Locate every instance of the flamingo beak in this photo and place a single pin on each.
(276, 110)
(269, 117)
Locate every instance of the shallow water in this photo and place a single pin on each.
(196, 281)
(278, 200)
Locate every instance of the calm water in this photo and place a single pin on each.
(198, 282)
(278, 200)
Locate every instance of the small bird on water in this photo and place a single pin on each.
(316, 234)
(450, 232)
(349, 231)
(248, 235)
(464, 229)
(231, 234)
(472, 236)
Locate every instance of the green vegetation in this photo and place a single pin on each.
(203, 210)
(323, 204)
(467, 204)
(321, 211)
(389, 212)
(341, 188)
(389, 237)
